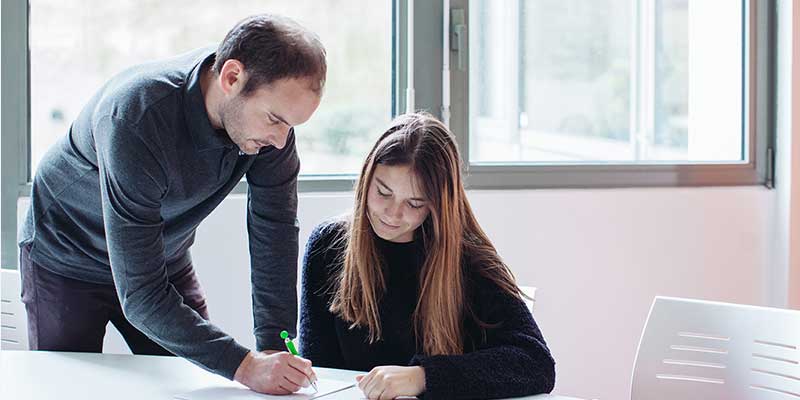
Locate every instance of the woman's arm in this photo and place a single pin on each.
(513, 360)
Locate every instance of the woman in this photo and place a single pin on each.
(411, 289)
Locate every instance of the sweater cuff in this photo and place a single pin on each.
(271, 342)
(438, 372)
(231, 359)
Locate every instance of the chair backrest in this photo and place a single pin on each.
(693, 349)
(13, 320)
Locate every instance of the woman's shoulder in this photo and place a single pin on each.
(328, 232)
(324, 250)
(491, 285)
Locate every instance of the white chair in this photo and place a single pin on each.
(13, 320)
(692, 349)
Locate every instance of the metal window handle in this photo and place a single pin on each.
(458, 36)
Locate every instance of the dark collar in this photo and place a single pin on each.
(205, 137)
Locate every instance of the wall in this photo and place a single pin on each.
(597, 257)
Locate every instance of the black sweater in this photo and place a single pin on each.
(508, 360)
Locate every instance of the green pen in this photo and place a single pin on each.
(293, 350)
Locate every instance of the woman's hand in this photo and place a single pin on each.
(390, 381)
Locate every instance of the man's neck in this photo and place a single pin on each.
(211, 96)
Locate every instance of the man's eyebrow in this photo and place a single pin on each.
(279, 118)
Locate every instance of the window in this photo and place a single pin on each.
(582, 93)
(56, 54)
(543, 93)
(75, 47)
(583, 82)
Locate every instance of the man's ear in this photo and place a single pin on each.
(232, 77)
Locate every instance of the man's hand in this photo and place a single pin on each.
(274, 372)
(388, 382)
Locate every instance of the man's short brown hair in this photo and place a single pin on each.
(273, 47)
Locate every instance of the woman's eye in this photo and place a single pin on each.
(383, 194)
(415, 206)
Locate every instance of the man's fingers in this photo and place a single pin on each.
(302, 365)
(299, 362)
(289, 386)
(275, 389)
(287, 366)
(296, 377)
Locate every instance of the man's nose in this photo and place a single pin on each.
(280, 138)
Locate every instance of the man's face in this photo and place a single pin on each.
(265, 116)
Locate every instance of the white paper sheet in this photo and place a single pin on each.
(235, 391)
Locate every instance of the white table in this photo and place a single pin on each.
(40, 375)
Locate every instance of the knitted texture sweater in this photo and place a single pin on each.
(508, 359)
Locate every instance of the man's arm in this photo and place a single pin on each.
(133, 181)
(318, 339)
(272, 229)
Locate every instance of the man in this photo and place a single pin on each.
(116, 202)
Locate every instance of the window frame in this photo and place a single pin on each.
(15, 121)
(759, 99)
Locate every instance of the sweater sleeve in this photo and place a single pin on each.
(133, 180)
(318, 340)
(272, 231)
(512, 359)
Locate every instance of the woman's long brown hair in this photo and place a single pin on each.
(450, 235)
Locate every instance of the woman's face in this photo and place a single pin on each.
(395, 205)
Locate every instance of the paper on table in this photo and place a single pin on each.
(234, 391)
